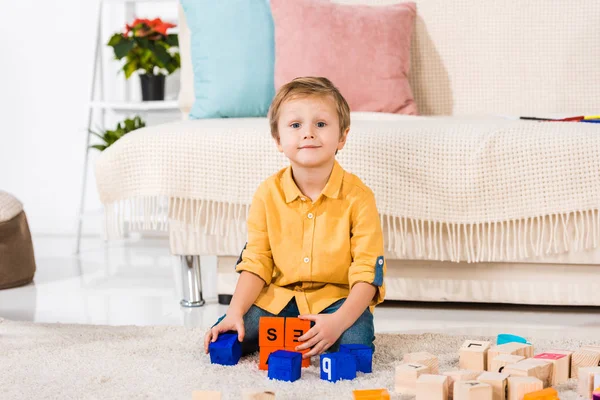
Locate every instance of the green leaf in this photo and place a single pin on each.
(130, 67)
(172, 40)
(98, 135)
(115, 39)
(123, 48)
(99, 147)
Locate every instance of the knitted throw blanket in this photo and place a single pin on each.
(465, 189)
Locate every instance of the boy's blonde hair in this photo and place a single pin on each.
(308, 86)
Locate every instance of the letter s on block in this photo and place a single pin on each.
(327, 367)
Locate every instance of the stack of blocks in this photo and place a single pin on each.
(344, 364)
(279, 333)
(278, 338)
(513, 372)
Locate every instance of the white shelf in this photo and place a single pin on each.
(137, 105)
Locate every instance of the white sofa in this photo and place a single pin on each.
(479, 59)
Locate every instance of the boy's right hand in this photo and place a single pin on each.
(231, 322)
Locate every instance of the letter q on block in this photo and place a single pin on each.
(271, 332)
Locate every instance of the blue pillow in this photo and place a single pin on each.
(233, 57)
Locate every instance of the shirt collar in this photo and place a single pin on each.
(331, 189)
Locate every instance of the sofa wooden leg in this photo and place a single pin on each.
(191, 281)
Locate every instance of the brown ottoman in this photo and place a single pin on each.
(17, 263)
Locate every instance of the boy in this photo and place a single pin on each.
(315, 246)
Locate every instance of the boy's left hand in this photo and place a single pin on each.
(326, 331)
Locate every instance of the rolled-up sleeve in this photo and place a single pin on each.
(366, 245)
(257, 256)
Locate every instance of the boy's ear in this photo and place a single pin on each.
(343, 138)
(278, 144)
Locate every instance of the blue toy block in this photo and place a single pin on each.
(363, 355)
(336, 366)
(226, 350)
(504, 338)
(285, 365)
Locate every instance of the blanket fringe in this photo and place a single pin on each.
(514, 239)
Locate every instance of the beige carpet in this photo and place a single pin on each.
(56, 361)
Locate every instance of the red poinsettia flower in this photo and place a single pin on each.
(148, 27)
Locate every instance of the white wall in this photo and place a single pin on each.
(46, 60)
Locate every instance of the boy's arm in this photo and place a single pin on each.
(247, 289)
(358, 300)
(366, 245)
(256, 266)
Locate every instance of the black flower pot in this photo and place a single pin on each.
(153, 87)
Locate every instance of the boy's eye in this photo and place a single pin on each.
(295, 125)
(321, 124)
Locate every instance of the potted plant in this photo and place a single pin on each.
(148, 48)
(108, 137)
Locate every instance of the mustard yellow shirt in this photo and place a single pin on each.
(313, 251)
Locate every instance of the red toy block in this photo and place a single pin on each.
(264, 356)
(271, 332)
(294, 328)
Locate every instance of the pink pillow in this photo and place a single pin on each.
(364, 50)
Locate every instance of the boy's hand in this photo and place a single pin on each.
(326, 331)
(233, 322)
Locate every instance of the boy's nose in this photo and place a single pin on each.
(308, 134)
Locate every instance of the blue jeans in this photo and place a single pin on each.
(361, 332)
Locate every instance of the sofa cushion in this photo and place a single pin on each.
(364, 50)
(232, 55)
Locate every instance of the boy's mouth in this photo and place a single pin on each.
(309, 147)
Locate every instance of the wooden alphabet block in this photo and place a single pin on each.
(498, 363)
(371, 394)
(583, 358)
(586, 381)
(226, 350)
(539, 368)
(285, 365)
(424, 358)
(432, 387)
(407, 375)
(271, 332)
(294, 328)
(263, 356)
(206, 395)
(546, 394)
(458, 376)
(515, 349)
(258, 395)
(473, 355)
(472, 390)
(519, 386)
(338, 365)
(498, 382)
(305, 361)
(561, 366)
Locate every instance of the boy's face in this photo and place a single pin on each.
(309, 131)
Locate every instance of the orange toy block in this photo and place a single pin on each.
(546, 394)
(371, 394)
(305, 361)
(271, 332)
(294, 328)
(264, 356)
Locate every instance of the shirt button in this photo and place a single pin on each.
(310, 215)
(302, 198)
(306, 260)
